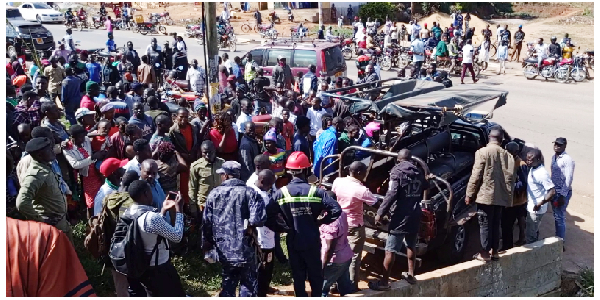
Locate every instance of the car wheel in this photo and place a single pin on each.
(38, 19)
(452, 251)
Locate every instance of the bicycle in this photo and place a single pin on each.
(247, 26)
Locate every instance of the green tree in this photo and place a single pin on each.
(377, 10)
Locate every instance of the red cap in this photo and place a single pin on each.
(298, 161)
(20, 80)
(128, 76)
(110, 165)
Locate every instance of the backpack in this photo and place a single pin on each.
(97, 239)
(127, 252)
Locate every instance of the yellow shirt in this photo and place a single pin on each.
(568, 52)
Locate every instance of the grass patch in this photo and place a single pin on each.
(585, 282)
(199, 278)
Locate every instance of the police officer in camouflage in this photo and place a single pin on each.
(232, 212)
(301, 204)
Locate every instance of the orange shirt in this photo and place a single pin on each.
(288, 134)
(189, 138)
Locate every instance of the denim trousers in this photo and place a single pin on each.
(560, 214)
(340, 273)
(532, 230)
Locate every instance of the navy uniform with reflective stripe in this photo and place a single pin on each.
(300, 204)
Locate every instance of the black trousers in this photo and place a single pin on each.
(278, 252)
(161, 281)
(265, 272)
(489, 217)
(306, 263)
(509, 216)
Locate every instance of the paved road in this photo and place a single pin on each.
(537, 111)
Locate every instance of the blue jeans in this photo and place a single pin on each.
(245, 276)
(339, 273)
(70, 108)
(560, 215)
(260, 104)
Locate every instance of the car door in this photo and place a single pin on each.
(271, 59)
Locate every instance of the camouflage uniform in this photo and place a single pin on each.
(227, 207)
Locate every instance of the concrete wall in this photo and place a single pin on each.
(529, 271)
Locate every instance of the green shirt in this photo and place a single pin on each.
(441, 49)
(40, 194)
(204, 178)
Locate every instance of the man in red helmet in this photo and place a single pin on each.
(299, 204)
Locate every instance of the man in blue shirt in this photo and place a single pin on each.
(326, 145)
(110, 44)
(300, 142)
(71, 95)
(94, 69)
(141, 120)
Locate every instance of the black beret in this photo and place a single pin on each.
(37, 144)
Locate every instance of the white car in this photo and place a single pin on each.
(40, 12)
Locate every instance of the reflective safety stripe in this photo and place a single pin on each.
(287, 198)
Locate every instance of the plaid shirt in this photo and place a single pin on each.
(562, 167)
(28, 115)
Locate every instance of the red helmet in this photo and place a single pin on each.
(356, 18)
(298, 161)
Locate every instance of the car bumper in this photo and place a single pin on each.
(52, 19)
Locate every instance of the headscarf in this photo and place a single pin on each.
(271, 135)
(371, 127)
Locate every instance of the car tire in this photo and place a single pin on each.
(453, 249)
(38, 19)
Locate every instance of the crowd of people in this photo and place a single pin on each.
(136, 170)
(456, 41)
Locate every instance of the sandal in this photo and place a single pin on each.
(376, 286)
(409, 278)
(480, 258)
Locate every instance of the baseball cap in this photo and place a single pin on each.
(81, 112)
(110, 165)
(560, 141)
(230, 168)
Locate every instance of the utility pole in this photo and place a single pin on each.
(320, 15)
(212, 54)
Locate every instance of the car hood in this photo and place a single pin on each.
(48, 11)
(20, 22)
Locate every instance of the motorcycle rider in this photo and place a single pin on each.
(103, 12)
(70, 17)
(554, 50)
(541, 50)
(132, 57)
(328, 35)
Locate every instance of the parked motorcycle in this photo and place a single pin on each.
(531, 70)
(121, 24)
(571, 68)
(267, 31)
(150, 27)
(98, 21)
(163, 18)
(192, 29)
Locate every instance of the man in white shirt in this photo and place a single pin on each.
(541, 50)
(416, 29)
(562, 167)
(314, 114)
(68, 41)
(499, 30)
(540, 191)
(467, 63)
(418, 49)
(196, 77)
(394, 35)
(265, 186)
(387, 41)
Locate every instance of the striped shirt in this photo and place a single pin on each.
(277, 162)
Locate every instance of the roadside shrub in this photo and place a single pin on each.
(585, 282)
(377, 10)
